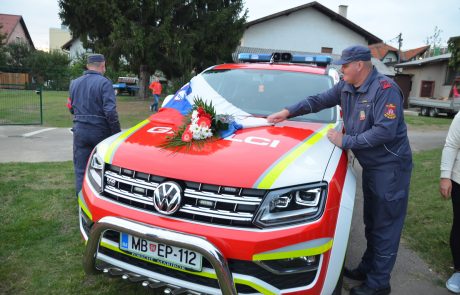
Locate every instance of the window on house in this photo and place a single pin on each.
(427, 89)
(326, 50)
(388, 59)
(450, 76)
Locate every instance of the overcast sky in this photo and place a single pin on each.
(415, 19)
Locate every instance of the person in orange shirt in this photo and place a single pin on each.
(156, 88)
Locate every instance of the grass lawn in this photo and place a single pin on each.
(131, 110)
(429, 217)
(418, 122)
(42, 250)
(19, 107)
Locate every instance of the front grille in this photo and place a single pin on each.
(243, 267)
(201, 202)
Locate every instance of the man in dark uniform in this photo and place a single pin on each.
(95, 114)
(375, 131)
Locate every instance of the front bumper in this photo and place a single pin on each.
(219, 276)
(177, 239)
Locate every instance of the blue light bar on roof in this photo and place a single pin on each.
(317, 59)
(285, 58)
(252, 57)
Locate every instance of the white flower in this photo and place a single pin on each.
(200, 133)
(194, 114)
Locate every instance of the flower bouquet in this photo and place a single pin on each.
(201, 125)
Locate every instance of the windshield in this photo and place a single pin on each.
(263, 92)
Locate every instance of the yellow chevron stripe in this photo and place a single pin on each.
(83, 206)
(116, 143)
(296, 253)
(276, 171)
(259, 288)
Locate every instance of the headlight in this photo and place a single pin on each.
(95, 170)
(292, 205)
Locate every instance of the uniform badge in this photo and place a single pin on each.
(390, 111)
(385, 84)
(362, 115)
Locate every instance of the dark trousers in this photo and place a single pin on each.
(455, 231)
(385, 206)
(84, 141)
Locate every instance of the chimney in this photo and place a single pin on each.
(343, 10)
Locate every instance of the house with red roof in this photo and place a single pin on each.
(390, 55)
(15, 29)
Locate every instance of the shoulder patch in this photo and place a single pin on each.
(390, 111)
(385, 84)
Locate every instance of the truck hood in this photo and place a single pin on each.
(287, 154)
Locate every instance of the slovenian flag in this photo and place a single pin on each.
(182, 101)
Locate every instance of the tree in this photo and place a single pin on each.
(435, 41)
(18, 54)
(454, 48)
(168, 35)
(52, 67)
(3, 55)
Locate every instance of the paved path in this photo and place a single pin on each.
(35, 144)
(410, 276)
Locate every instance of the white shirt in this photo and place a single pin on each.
(450, 160)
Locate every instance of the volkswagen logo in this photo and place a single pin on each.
(167, 197)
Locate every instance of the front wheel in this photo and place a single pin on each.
(434, 112)
(423, 111)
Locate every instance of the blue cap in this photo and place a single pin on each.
(95, 58)
(354, 53)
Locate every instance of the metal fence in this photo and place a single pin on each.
(20, 98)
(20, 106)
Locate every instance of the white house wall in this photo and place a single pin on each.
(390, 57)
(76, 49)
(306, 30)
(435, 72)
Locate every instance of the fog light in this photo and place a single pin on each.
(291, 265)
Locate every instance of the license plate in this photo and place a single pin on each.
(165, 254)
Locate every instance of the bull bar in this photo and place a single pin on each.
(155, 234)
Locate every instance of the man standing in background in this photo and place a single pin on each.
(156, 88)
(93, 105)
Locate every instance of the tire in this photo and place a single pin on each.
(423, 111)
(338, 287)
(433, 112)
